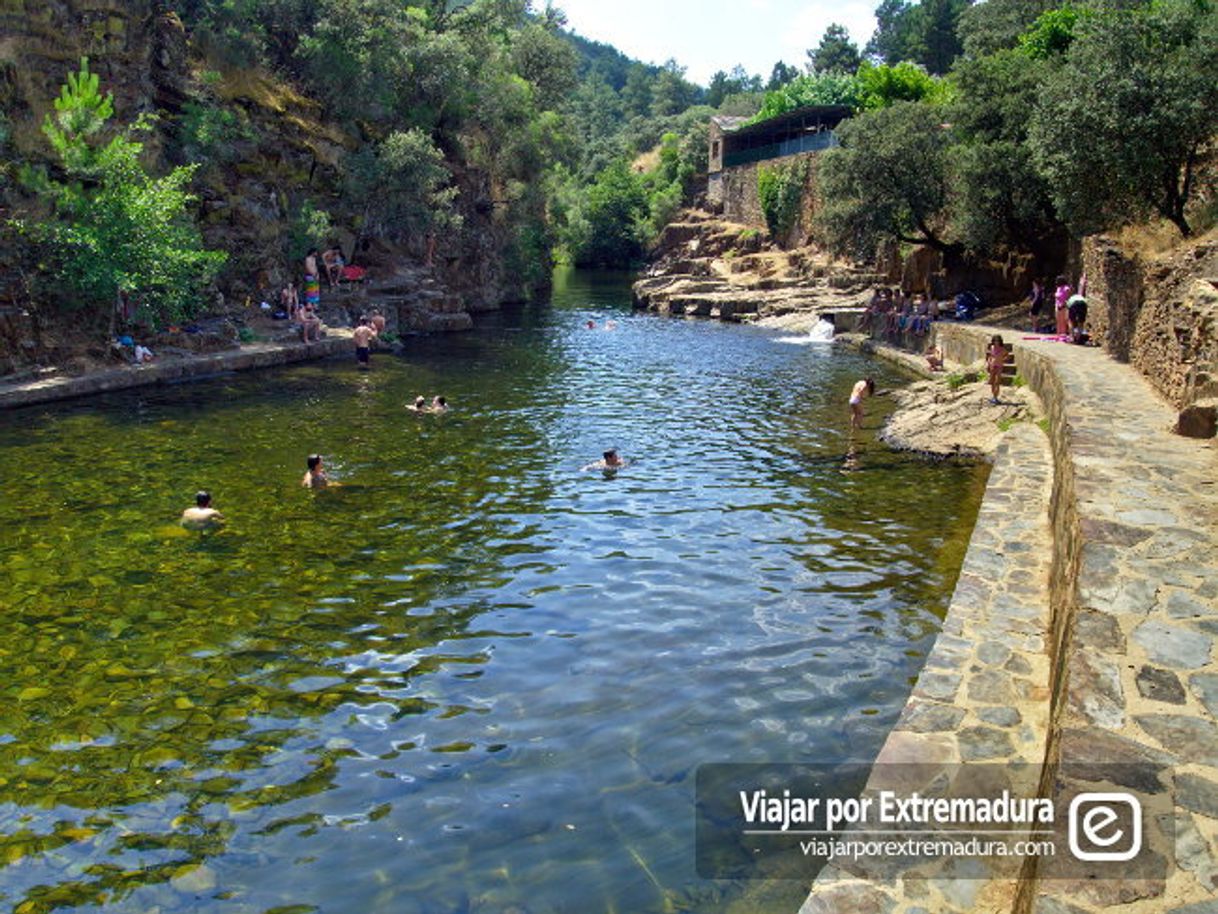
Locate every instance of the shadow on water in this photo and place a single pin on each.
(472, 676)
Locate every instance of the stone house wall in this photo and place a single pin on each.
(741, 203)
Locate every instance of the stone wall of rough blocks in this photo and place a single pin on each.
(741, 203)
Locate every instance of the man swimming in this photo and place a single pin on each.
(610, 460)
(315, 477)
(418, 406)
(439, 405)
(202, 516)
(863, 389)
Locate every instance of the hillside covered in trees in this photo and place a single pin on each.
(207, 145)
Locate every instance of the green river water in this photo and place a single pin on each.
(473, 678)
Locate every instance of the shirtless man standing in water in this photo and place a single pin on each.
(202, 516)
(863, 389)
(363, 335)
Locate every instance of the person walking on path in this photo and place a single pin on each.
(1061, 297)
(995, 361)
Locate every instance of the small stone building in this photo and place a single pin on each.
(736, 148)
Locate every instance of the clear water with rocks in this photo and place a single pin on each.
(473, 678)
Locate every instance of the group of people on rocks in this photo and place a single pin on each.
(893, 312)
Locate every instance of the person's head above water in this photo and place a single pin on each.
(314, 462)
(420, 402)
(440, 401)
(203, 499)
(611, 457)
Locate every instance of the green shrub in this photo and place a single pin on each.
(780, 189)
(114, 228)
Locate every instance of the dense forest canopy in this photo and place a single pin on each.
(978, 126)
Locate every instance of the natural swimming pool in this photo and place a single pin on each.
(474, 678)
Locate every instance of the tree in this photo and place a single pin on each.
(997, 195)
(114, 228)
(402, 185)
(890, 41)
(1121, 125)
(780, 76)
(836, 53)
(997, 24)
(547, 62)
(924, 32)
(670, 93)
(888, 180)
(616, 204)
(934, 42)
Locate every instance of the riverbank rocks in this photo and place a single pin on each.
(945, 419)
(705, 267)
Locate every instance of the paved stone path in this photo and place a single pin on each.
(983, 693)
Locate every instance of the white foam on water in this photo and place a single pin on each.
(821, 333)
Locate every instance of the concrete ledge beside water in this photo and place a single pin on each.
(256, 355)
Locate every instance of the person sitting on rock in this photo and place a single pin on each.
(310, 324)
(334, 263)
(934, 358)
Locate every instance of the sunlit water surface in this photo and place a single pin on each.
(474, 678)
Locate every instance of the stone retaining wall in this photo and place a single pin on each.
(1128, 608)
(983, 693)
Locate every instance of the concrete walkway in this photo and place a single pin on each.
(250, 355)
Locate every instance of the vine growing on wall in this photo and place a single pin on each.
(780, 191)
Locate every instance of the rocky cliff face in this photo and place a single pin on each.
(252, 185)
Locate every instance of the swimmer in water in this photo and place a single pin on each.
(315, 477)
(863, 389)
(418, 406)
(202, 516)
(609, 461)
(438, 405)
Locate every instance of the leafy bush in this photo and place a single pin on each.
(780, 191)
(114, 228)
(310, 228)
(816, 89)
(211, 131)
